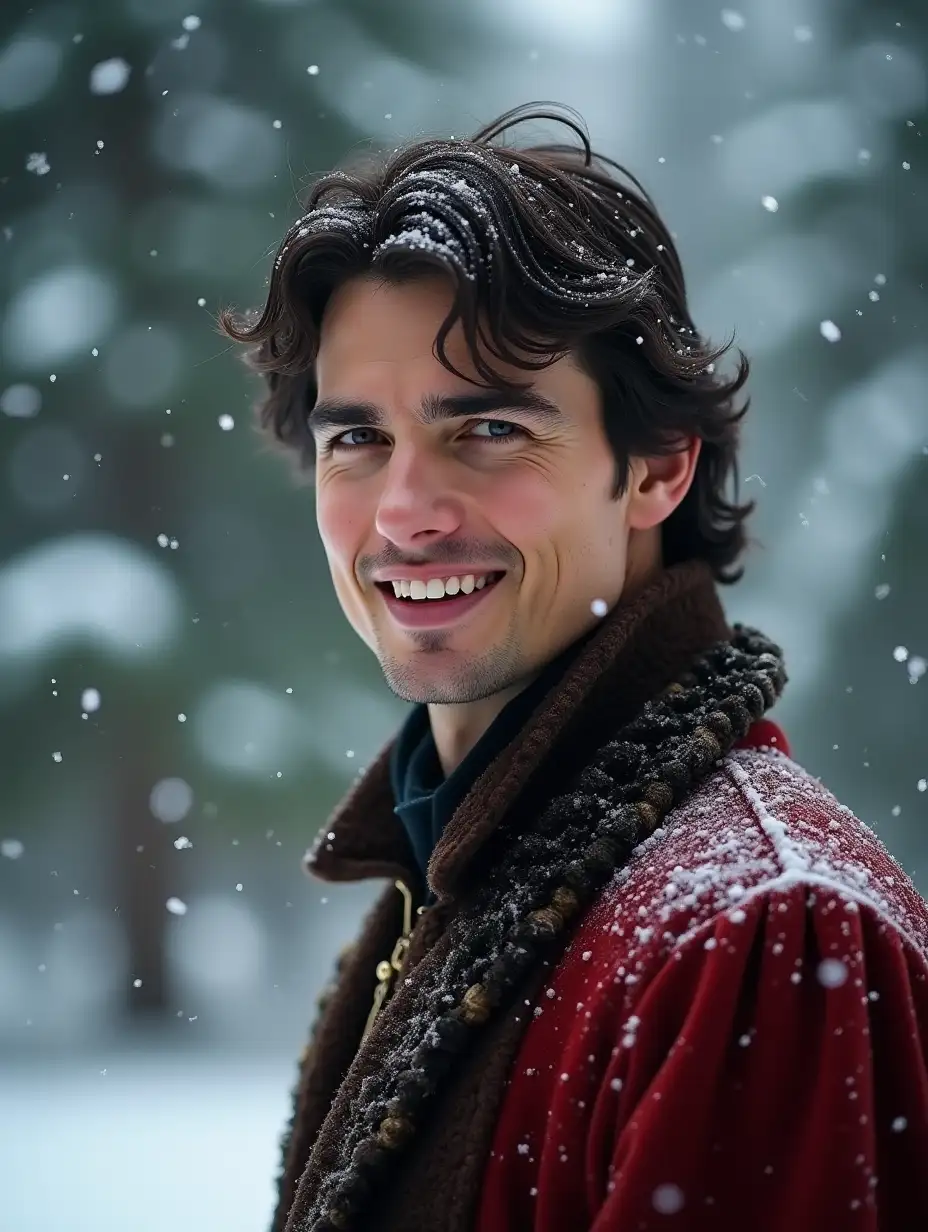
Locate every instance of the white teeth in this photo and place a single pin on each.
(438, 588)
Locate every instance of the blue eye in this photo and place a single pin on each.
(510, 430)
(339, 442)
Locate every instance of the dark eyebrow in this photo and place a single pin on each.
(345, 413)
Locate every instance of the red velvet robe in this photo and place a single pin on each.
(737, 1036)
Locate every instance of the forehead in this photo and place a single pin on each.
(370, 324)
(377, 335)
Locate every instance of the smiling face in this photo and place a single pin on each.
(423, 475)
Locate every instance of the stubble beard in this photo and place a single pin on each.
(471, 676)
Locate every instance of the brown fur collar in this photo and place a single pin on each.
(641, 645)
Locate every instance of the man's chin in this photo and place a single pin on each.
(411, 686)
(453, 682)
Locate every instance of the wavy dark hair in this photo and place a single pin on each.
(551, 250)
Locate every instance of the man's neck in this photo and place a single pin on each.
(457, 728)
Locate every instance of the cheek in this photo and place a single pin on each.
(566, 526)
(526, 504)
(342, 530)
(550, 511)
(340, 523)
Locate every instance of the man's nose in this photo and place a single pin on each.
(416, 504)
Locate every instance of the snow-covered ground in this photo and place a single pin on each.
(141, 1142)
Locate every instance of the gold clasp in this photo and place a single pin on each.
(388, 968)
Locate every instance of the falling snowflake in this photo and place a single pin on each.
(668, 1199)
(110, 76)
(829, 331)
(176, 906)
(832, 973)
(599, 607)
(226, 422)
(170, 800)
(11, 848)
(38, 164)
(770, 203)
(732, 19)
(20, 401)
(90, 700)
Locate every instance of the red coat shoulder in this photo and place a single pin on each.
(737, 1034)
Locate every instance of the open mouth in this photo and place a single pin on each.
(441, 592)
(439, 603)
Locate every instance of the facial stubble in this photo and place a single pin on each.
(470, 677)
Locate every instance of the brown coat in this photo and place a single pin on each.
(640, 649)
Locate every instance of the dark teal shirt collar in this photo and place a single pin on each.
(425, 799)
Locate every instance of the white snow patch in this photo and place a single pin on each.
(791, 856)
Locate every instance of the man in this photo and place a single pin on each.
(633, 967)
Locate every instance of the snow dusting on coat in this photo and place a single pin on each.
(737, 1034)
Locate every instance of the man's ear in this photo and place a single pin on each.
(658, 485)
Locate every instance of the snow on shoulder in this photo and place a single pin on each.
(758, 825)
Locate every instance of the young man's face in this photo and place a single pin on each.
(514, 503)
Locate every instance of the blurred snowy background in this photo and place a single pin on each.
(180, 700)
